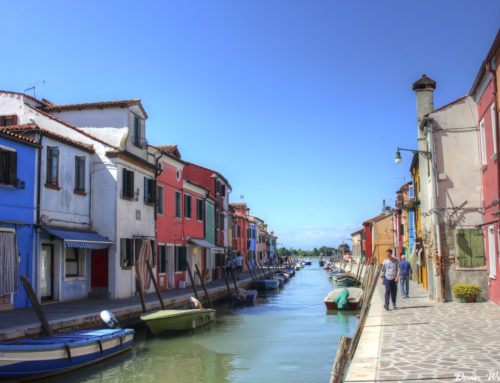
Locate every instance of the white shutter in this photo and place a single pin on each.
(492, 251)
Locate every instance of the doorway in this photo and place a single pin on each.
(47, 272)
(99, 270)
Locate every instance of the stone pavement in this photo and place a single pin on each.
(72, 315)
(425, 341)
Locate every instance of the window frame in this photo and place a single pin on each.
(200, 209)
(8, 167)
(160, 200)
(464, 239)
(126, 253)
(50, 177)
(149, 191)
(180, 259)
(80, 165)
(178, 204)
(187, 206)
(482, 138)
(128, 184)
(79, 261)
(162, 259)
(136, 138)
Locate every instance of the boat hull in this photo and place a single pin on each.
(354, 300)
(267, 284)
(178, 320)
(41, 357)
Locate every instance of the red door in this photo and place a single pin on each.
(99, 268)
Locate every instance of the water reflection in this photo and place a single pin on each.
(286, 337)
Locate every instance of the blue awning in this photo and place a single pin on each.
(79, 239)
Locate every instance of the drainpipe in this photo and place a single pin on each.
(440, 293)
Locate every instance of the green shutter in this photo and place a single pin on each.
(470, 247)
(476, 240)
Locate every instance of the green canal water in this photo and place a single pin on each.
(286, 337)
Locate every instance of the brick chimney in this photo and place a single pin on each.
(424, 88)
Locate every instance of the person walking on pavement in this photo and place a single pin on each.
(239, 265)
(390, 276)
(405, 276)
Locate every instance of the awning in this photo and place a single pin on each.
(82, 240)
(203, 243)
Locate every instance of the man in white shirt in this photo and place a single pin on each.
(390, 277)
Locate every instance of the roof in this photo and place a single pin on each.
(170, 149)
(35, 127)
(357, 232)
(482, 70)
(5, 132)
(238, 204)
(447, 105)
(72, 127)
(195, 184)
(49, 106)
(424, 83)
(375, 219)
(23, 94)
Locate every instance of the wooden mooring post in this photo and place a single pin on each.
(229, 295)
(341, 360)
(157, 288)
(203, 285)
(192, 281)
(250, 271)
(36, 305)
(141, 291)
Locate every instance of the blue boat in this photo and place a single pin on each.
(267, 284)
(346, 282)
(45, 356)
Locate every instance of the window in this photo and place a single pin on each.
(223, 190)
(159, 200)
(492, 252)
(162, 259)
(136, 139)
(217, 184)
(149, 190)
(221, 220)
(80, 173)
(177, 205)
(8, 120)
(8, 167)
(52, 165)
(180, 258)
(483, 143)
(126, 252)
(128, 184)
(494, 127)
(187, 206)
(75, 261)
(199, 210)
(470, 247)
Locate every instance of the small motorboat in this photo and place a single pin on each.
(346, 282)
(244, 297)
(307, 262)
(354, 299)
(178, 320)
(322, 263)
(51, 355)
(327, 266)
(267, 284)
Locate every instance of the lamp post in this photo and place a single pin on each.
(399, 160)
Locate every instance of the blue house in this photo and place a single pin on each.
(18, 175)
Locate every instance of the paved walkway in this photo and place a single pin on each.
(428, 341)
(84, 313)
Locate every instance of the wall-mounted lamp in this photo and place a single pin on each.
(399, 160)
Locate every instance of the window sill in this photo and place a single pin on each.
(52, 186)
(80, 192)
(476, 268)
(75, 278)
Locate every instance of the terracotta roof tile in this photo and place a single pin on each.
(94, 105)
(170, 149)
(5, 131)
(375, 219)
(25, 127)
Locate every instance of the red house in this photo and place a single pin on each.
(367, 241)
(240, 231)
(485, 93)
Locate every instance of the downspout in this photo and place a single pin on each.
(440, 292)
(39, 181)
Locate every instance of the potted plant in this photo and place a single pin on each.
(466, 292)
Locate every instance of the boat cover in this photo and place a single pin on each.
(341, 299)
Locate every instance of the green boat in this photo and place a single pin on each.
(178, 320)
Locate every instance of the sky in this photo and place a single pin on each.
(300, 104)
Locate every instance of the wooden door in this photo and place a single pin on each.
(99, 268)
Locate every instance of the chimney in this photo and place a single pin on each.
(425, 96)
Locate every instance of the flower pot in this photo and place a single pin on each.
(471, 298)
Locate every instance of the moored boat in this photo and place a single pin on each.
(346, 282)
(354, 299)
(46, 356)
(178, 320)
(307, 262)
(267, 284)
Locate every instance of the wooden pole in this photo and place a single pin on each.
(192, 281)
(341, 360)
(250, 271)
(157, 288)
(141, 292)
(229, 295)
(234, 280)
(36, 305)
(202, 280)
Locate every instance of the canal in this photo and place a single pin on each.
(286, 337)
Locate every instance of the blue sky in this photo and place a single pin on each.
(300, 104)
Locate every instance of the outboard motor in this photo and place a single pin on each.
(109, 319)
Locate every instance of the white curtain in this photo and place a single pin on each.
(8, 263)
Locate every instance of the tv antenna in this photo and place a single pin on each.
(242, 197)
(33, 88)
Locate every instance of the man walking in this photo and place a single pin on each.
(390, 276)
(405, 276)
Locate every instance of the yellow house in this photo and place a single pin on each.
(382, 238)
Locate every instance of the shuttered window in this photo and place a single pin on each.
(162, 259)
(470, 247)
(180, 258)
(200, 214)
(136, 139)
(128, 184)
(126, 252)
(80, 173)
(187, 206)
(160, 200)
(52, 165)
(149, 190)
(8, 120)
(8, 167)
(178, 205)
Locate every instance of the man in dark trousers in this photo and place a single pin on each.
(405, 276)
(390, 277)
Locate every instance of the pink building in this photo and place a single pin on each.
(484, 90)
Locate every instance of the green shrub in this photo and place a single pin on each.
(463, 290)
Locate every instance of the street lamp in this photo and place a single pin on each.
(399, 160)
